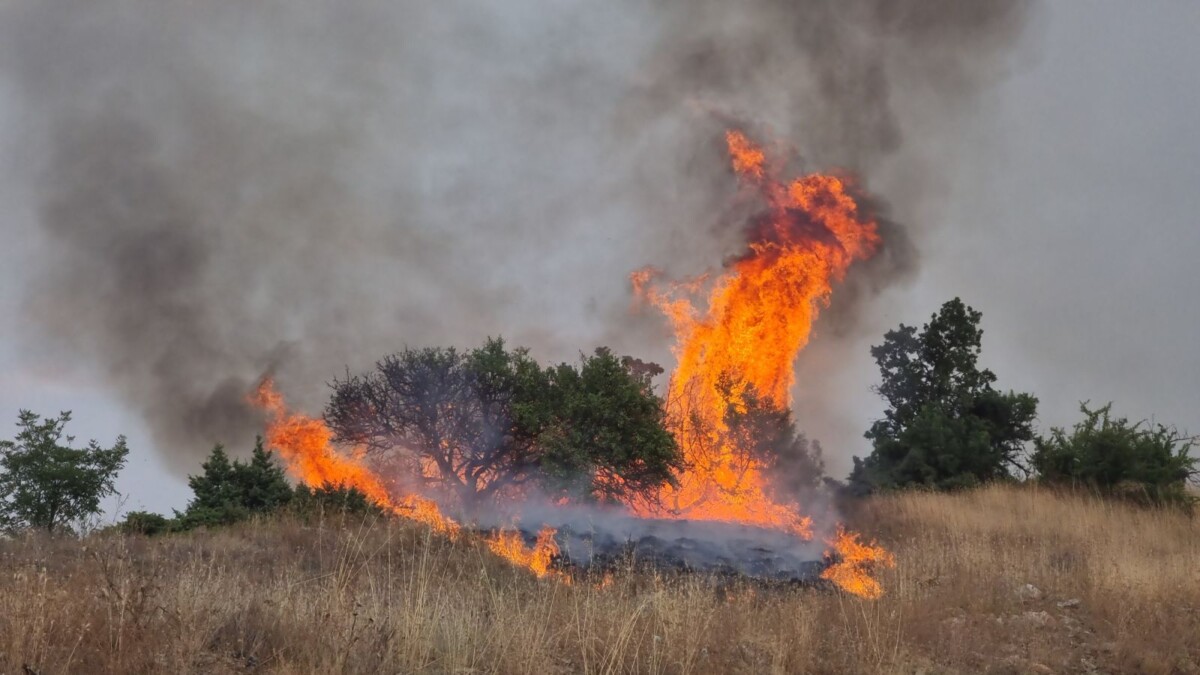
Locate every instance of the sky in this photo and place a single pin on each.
(1060, 201)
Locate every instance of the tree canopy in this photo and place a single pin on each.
(45, 483)
(227, 491)
(492, 421)
(945, 425)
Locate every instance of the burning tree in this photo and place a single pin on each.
(492, 422)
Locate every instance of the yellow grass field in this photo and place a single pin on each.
(1117, 590)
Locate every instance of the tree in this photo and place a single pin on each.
(1148, 462)
(768, 434)
(945, 425)
(605, 436)
(228, 491)
(492, 421)
(47, 484)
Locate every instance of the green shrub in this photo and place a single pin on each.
(331, 499)
(1142, 461)
(147, 523)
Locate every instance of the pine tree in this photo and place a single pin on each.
(228, 491)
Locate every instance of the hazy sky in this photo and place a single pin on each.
(1067, 216)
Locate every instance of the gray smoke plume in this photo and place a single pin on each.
(227, 188)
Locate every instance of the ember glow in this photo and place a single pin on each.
(745, 335)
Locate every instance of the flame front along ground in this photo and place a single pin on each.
(305, 444)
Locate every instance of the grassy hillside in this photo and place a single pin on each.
(1117, 589)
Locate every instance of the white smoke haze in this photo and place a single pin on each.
(226, 188)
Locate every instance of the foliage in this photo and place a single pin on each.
(147, 523)
(492, 421)
(1144, 461)
(228, 491)
(768, 432)
(604, 434)
(45, 483)
(945, 426)
(329, 499)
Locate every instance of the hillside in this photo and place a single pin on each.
(1113, 589)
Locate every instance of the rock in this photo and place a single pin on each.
(1069, 604)
(1041, 669)
(1029, 592)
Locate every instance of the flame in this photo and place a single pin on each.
(757, 318)
(745, 337)
(748, 158)
(855, 561)
(306, 447)
(305, 444)
(509, 545)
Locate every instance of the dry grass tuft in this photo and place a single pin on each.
(285, 597)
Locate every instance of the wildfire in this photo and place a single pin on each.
(305, 444)
(508, 545)
(306, 447)
(855, 560)
(757, 317)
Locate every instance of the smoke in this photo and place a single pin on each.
(227, 188)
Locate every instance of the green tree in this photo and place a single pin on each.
(1148, 462)
(767, 432)
(228, 491)
(262, 485)
(604, 435)
(945, 425)
(47, 484)
(492, 421)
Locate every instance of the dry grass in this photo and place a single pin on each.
(282, 597)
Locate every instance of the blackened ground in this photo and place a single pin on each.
(686, 546)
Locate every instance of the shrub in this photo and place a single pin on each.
(1142, 461)
(330, 499)
(147, 523)
(229, 491)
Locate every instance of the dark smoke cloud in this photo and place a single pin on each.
(873, 87)
(227, 188)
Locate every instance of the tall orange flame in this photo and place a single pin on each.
(757, 317)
